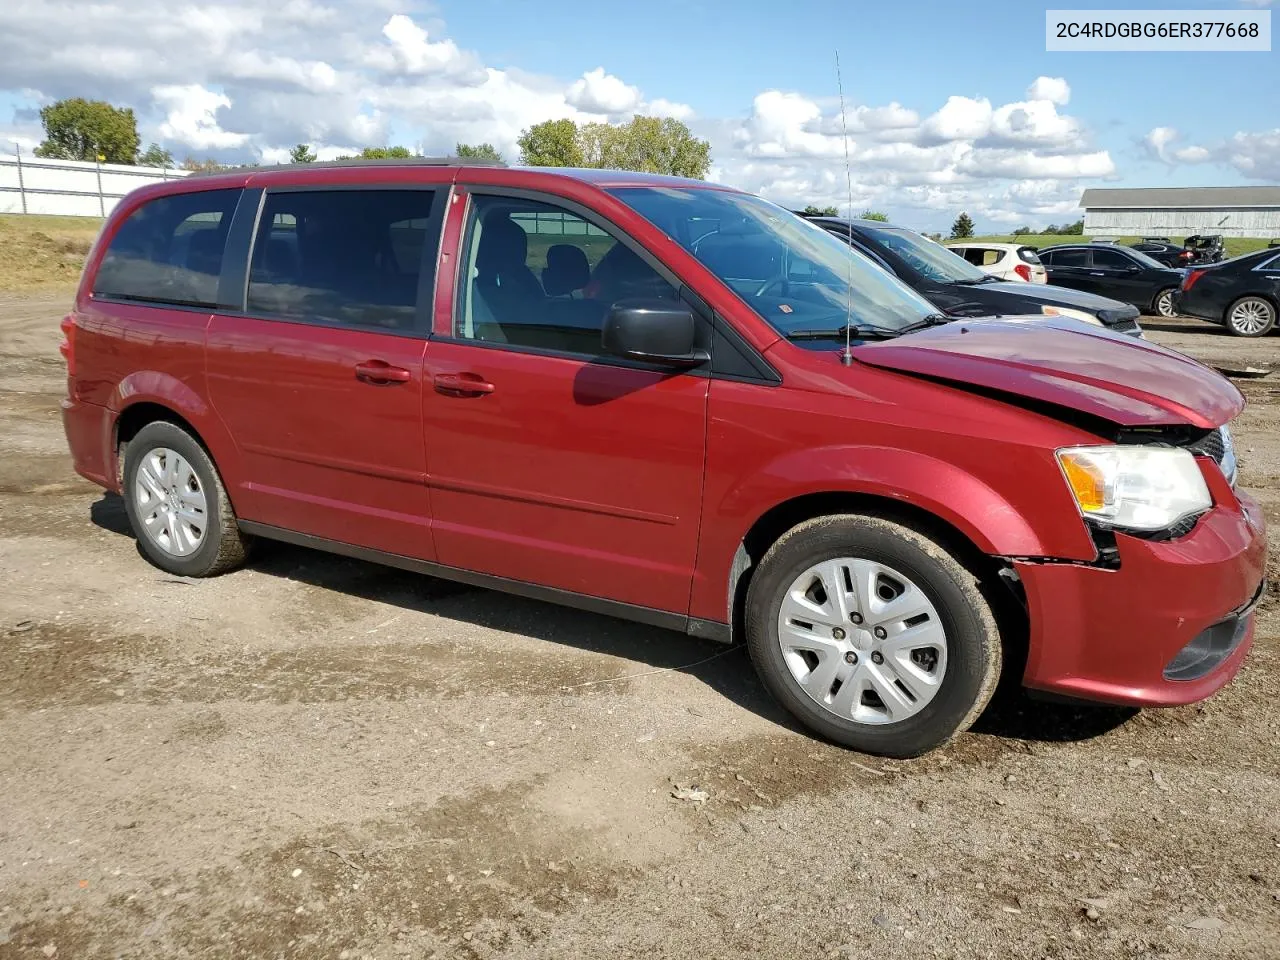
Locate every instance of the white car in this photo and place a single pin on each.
(1008, 261)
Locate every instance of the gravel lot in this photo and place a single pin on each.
(316, 757)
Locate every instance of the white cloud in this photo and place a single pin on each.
(1157, 141)
(599, 92)
(410, 52)
(193, 117)
(1054, 89)
(960, 118)
(667, 108)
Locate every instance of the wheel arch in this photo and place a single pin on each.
(146, 397)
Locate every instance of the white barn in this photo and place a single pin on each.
(1176, 212)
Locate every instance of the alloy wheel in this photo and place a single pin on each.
(1164, 304)
(1251, 316)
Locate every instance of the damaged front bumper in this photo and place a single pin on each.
(1169, 624)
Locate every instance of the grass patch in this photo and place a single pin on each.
(37, 251)
(1236, 246)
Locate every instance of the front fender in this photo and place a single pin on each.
(971, 505)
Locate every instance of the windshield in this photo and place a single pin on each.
(794, 274)
(931, 260)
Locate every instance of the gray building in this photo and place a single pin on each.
(1176, 212)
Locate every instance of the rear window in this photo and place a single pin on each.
(348, 257)
(1028, 255)
(169, 250)
(1069, 258)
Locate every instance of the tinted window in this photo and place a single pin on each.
(169, 250)
(350, 257)
(1066, 258)
(930, 260)
(536, 275)
(796, 275)
(1111, 260)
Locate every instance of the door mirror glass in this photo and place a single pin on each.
(655, 331)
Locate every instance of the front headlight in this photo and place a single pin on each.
(1050, 311)
(1135, 487)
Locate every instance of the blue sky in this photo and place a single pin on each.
(952, 105)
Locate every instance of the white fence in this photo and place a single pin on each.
(70, 188)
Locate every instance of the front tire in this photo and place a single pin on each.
(177, 505)
(1251, 317)
(872, 635)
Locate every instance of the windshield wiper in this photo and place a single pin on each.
(973, 281)
(855, 331)
(868, 331)
(932, 320)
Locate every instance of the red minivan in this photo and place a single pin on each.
(674, 402)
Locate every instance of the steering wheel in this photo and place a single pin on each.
(769, 285)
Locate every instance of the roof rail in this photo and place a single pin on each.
(362, 162)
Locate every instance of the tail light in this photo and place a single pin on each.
(1189, 280)
(68, 346)
(1022, 270)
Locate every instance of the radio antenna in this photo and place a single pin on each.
(847, 356)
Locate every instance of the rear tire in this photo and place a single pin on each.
(905, 619)
(1162, 306)
(1250, 317)
(177, 505)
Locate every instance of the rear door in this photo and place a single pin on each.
(1068, 267)
(319, 376)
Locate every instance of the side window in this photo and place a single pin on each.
(345, 257)
(536, 275)
(1111, 260)
(169, 250)
(973, 254)
(1068, 258)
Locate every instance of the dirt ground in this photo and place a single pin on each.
(317, 757)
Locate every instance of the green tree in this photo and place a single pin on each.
(479, 151)
(80, 129)
(381, 153)
(643, 144)
(155, 156)
(812, 211)
(207, 165)
(873, 215)
(656, 145)
(1073, 229)
(302, 153)
(963, 227)
(1022, 231)
(552, 143)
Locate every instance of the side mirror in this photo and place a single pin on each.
(655, 331)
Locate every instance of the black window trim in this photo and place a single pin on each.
(157, 303)
(710, 322)
(246, 235)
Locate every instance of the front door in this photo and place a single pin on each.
(319, 379)
(549, 461)
(1118, 277)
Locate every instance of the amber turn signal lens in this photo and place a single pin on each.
(1087, 482)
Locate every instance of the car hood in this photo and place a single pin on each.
(1060, 297)
(1129, 382)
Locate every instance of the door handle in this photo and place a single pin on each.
(462, 384)
(1097, 273)
(381, 372)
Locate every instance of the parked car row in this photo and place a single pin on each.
(1194, 250)
(673, 402)
(1110, 270)
(960, 289)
